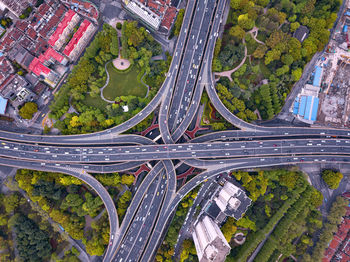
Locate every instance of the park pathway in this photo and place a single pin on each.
(229, 72)
(107, 81)
(254, 34)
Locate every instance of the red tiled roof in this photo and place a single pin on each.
(61, 26)
(50, 24)
(334, 243)
(43, 8)
(76, 37)
(16, 34)
(26, 42)
(345, 258)
(7, 80)
(6, 43)
(31, 33)
(22, 25)
(169, 17)
(50, 53)
(36, 18)
(40, 46)
(60, 11)
(38, 68)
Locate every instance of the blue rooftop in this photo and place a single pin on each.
(314, 109)
(317, 77)
(3, 104)
(296, 107)
(302, 106)
(308, 108)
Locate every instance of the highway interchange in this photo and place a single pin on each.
(148, 216)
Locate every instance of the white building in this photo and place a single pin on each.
(211, 245)
(144, 13)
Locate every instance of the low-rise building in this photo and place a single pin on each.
(17, 90)
(301, 33)
(158, 15)
(79, 40)
(64, 28)
(16, 6)
(6, 69)
(3, 105)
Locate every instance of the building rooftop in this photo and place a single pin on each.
(306, 107)
(3, 105)
(317, 76)
(18, 6)
(76, 37)
(38, 68)
(61, 26)
(169, 17)
(301, 33)
(144, 13)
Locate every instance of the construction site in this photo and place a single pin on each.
(334, 96)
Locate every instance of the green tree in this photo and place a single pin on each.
(237, 31)
(178, 22)
(332, 178)
(28, 109)
(296, 74)
(11, 202)
(245, 22)
(128, 179)
(294, 26)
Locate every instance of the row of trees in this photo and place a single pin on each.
(292, 225)
(334, 218)
(254, 239)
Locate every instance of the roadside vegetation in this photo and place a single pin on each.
(332, 178)
(334, 218)
(178, 22)
(211, 117)
(119, 188)
(275, 59)
(74, 205)
(82, 90)
(166, 250)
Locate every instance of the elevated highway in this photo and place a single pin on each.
(156, 199)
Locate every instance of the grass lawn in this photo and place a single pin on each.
(95, 102)
(124, 83)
